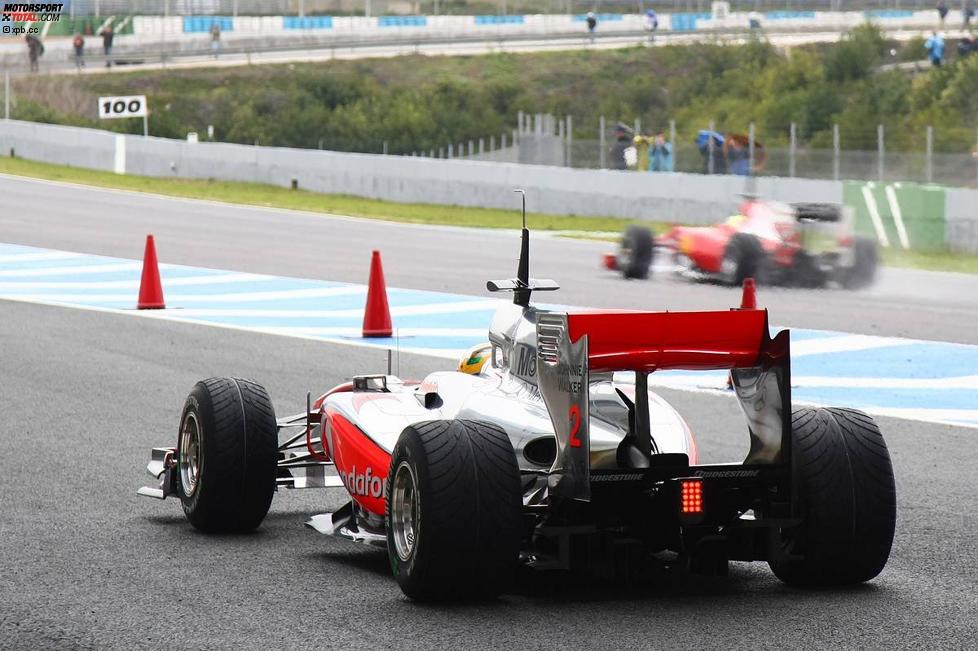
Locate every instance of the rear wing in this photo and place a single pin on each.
(570, 346)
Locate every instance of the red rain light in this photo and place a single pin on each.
(691, 495)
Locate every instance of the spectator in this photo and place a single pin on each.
(642, 152)
(935, 49)
(34, 51)
(623, 140)
(107, 36)
(79, 44)
(592, 24)
(712, 153)
(942, 12)
(651, 24)
(215, 38)
(967, 12)
(737, 153)
(966, 46)
(660, 154)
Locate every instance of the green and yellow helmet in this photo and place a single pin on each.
(476, 358)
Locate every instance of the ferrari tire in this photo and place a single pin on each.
(805, 271)
(454, 510)
(744, 258)
(819, 212)
(636, 253)
(227, 454)
(865, 260)
(846, 497)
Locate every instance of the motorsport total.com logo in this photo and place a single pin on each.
(28, 13)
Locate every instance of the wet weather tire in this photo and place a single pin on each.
(744, 257)
(843, 483)
(227, 455)
(637, 252)
(454, 510)
(865, 259)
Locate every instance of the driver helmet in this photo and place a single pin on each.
(475, 359)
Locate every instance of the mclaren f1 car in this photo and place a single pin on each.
(548, 450)
(801, 244)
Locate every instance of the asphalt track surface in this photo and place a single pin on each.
(907, 303)
(84, 395)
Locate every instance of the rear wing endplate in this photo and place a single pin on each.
(571, 346)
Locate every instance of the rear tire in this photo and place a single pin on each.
(454, 510)
(819, 212)
(865, 260)
(843, 481)
(806, 272)
(227, 455)
(636, 253)
(744, 258)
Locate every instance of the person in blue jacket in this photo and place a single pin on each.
(935, 48)
(660, 155)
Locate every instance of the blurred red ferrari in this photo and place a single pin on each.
(801, 244)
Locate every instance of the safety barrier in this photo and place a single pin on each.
(919, 217)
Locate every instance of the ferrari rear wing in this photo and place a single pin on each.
(570, 346)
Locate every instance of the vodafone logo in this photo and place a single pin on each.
(365, 485)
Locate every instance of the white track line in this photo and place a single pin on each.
(719, 381)
(845, 343)
(891, 199)
(7, 258)
(73, 271)
(345, 331)
(405, 310)
(174, 300)
(176, 317)
(874, 215)
(219, 279)
(961, 417)
(953, 417)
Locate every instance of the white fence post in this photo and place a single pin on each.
(601, 144)
(792, 150)
(836, 163)
(930, 154)
(880, 152)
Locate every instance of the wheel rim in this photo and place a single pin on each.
(190, 454)
(728, 268)
(404, 511)
(625, 255)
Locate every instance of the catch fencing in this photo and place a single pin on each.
(943, 154)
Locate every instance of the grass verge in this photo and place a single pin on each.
(255, 194)
(931, 260)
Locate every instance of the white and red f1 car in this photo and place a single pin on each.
(553, 453)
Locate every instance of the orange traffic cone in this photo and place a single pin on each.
(749, 299)
(377, 315)
(150, 287)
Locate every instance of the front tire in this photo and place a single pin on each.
(843, 484)
(636, 253)
(454, 510)
(744, 258)
(227, 453)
